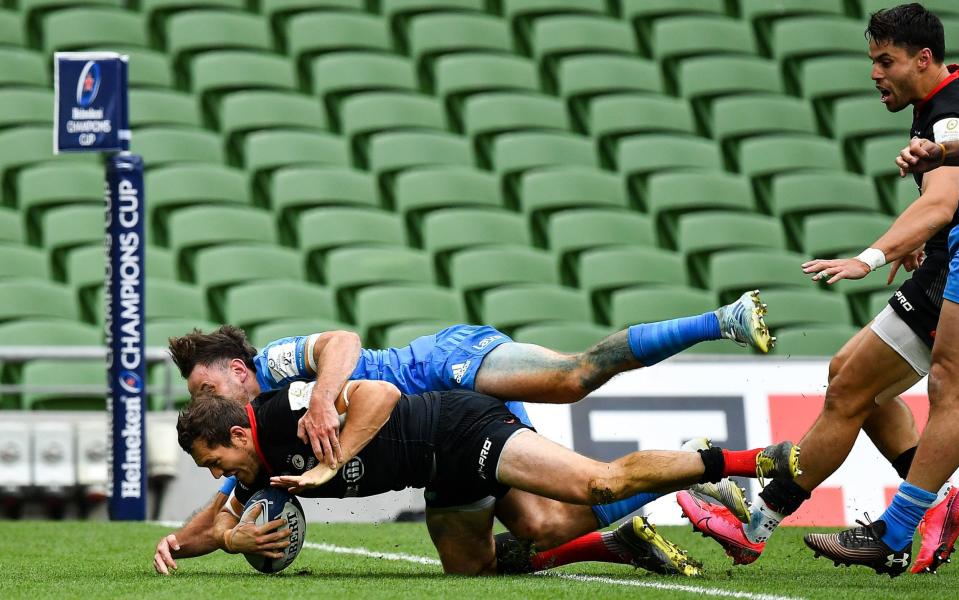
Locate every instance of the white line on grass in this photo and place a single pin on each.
(426, 560)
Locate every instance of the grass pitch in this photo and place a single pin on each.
(94, 560)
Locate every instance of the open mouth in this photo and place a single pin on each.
(884, 94)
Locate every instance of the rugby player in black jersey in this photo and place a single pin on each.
(906, 46)
(465, 448)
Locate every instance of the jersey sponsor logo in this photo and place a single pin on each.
(297, 461)
(483, 457)
(486, 341)
(905, 304)
(459, 370)
(299, 394)
(282, 361)
(353, 470)
(946, 130)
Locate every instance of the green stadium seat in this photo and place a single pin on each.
(763, 159)
(704, 79)
(821, 341)
(266, 151)
(572, 232)
(805, 307)
(739, 117)
(639, 157)
(674, 38)
(445, 232)
(878, 162)
(797, 39)
(392, 152)
(167, 146)
(24, 146)
(861, 293)
(216, 73)
(616, 115)
(157, 12)
(163, 107)
(363, 115)
(378, 308)
(762, 14)
(11, 29)
(736, 271)
(11, 226)
(262, 335)
(160, 263)
(458, 76)
(669, 196)
(562, 337)
(49, 332)
(420, 191)
(46, 186)
(147, 68)
(279, 12)
(433, 35)
(795, 197)
(548, 190)
(18, 261)
(704, 233)
(582, 77)
(642, 13)
(193, 32)
(509, 307)
(174, 300)
(25, 106)
(944, 8)
(190, 229)
(487, 115)
(352, 269)
(336, 75)
(311, 34)
(513, 154)
(906, 193)
(556, 37)
(21, 298)
(524, 15)
(242, 113)
(649, 305)
(878, 300)
(159, 331)
(398, 13)
(84, 385)
(296, 189)
(826, 79)
(80, 28)
(836, 234)
(603, 271)
(67, 227)
(321, 230)
(217, 269)
(401, 335)
(175, 187)
(252, 304)
(85, 269)
(475, 271)
(22, 67)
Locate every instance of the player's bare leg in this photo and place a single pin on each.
(464, 539)
(544, 522)
(535, 374)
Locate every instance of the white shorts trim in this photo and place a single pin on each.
(890, 327)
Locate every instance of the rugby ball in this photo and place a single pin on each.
(277, 504)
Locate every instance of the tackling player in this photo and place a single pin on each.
(464, 448)
(461, 357)
(906, 44)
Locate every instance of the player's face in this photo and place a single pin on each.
(223, 381)
(224, 461)
(896, 74)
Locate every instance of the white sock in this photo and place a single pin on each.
(941, 494)
(763, 522)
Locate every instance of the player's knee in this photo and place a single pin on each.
(836, 365)
(942, 375)
(845, 400)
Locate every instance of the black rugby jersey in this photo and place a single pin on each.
(923, 291)
(399, 456)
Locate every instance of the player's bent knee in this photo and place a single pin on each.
(836, 365)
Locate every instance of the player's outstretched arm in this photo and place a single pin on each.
(932, 211)
(922, 156)
(367, 406)
(246, 537)
(196, 538)
(335, 354)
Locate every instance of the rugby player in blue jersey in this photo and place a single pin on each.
(468, 357)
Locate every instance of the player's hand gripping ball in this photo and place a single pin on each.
(276, 504)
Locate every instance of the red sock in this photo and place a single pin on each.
(740, 463)
(590, 547)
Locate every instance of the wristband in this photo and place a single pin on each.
(873, 257)
(942, 160)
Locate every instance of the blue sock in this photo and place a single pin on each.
(653, 342)
(902, 517)
(607, 514)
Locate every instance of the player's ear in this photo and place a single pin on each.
(239, 436)
(239, 369)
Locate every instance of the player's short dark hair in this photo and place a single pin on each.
(208, 418)
(908, 26)
(222, 344)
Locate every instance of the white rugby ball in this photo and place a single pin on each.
(277, 504)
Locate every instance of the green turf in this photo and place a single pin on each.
(46, 560)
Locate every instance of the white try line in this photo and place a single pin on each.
(426, 560)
